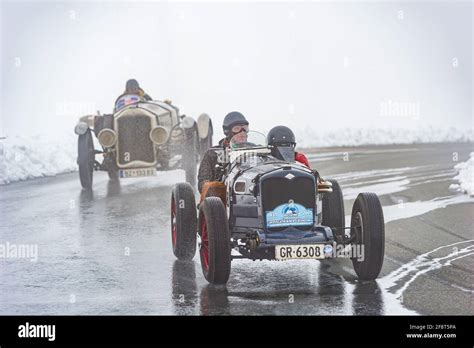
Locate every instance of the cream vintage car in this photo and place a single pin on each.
(139, 138)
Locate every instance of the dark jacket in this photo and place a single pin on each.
(207, 168)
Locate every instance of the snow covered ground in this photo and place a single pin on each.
(465, 177)
(309, 137)
(23, 158)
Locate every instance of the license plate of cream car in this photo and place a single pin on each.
(133, 173)
(313, 251)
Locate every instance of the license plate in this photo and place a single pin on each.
(313, 251)
(134, 173)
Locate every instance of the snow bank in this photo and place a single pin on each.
(465, 177)
(314, 137)
(23, 158)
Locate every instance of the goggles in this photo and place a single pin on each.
(240, 128)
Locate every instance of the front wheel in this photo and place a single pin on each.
(215, 250)
(112, 170)
(86, 159)
(367, 222)
(183, 221)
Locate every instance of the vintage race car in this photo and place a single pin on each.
(140, 138)
(266, 208)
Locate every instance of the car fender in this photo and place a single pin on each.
(88, 119)
(204, 125)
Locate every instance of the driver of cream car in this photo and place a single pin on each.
(132, 94)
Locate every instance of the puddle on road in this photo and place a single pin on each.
(305, 287)
(298, 287)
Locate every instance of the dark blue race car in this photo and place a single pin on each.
(266, 208)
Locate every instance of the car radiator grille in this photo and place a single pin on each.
(134, 142)
(279, 190)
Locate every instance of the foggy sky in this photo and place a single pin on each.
(318, 64)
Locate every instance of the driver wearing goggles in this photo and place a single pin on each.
(239, 133)
(240, 128)
(236, 127)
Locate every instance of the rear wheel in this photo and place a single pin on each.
(367, 222)
(215, 241)
(333, 209)
(183, 221)
(85, 159)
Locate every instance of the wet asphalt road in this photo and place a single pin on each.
(109, 251)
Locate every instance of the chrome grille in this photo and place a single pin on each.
(134, 143)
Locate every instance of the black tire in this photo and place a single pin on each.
(183, 221)
(86, 159)
(333, 209)
(113, 174)
(112, 170)
(190, 158)
(367, 222)
(164, 163)
(215, 241)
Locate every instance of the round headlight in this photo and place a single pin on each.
(159, 135)
(240, 186)
(107, 137)
(81, 128)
